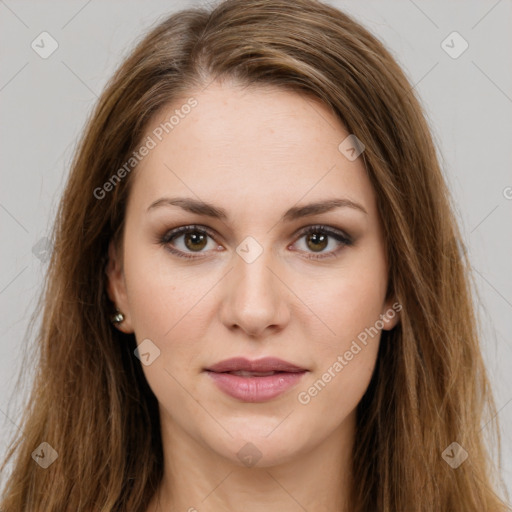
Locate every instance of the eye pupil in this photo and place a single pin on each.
(318, 239)
(191, 239)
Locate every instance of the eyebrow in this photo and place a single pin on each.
(294, 213)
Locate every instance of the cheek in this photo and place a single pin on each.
(168, 308)
(160, 298)
(345, 355)
(346, 303)
(349, 306)
(171, 306)
(328, 401)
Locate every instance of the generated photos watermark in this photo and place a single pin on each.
(357, 345)
(149, 143)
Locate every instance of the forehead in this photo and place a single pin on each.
(232, 145)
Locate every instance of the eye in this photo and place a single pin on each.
(318, 238)
(185, 240)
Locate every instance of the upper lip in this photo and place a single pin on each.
(266, 364)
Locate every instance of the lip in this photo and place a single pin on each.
(266, 364)
(255, 388)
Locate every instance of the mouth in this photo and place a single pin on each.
(255, 381)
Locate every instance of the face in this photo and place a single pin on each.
(224, 257)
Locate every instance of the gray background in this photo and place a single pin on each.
(44, 104)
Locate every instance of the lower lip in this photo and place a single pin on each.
(255, 389)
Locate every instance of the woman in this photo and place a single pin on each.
(256, 299)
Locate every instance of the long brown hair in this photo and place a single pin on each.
(90, 400)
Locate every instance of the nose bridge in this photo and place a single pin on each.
(252, 270)
(256, 298)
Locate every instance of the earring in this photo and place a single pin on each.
(117, 317)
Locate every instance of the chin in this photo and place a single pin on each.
(260, 444)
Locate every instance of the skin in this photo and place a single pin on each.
(255, 152)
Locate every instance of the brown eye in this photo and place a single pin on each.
(186, 240)
(195, 241)
(317, 241)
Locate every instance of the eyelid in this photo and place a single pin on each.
(175, 232)
(335, 232)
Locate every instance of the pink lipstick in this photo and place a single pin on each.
(255, 381)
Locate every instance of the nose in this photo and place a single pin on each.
(255, 297)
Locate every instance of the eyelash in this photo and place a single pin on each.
(194, 228)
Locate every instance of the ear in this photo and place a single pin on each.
(391, 313)
(116, 287)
